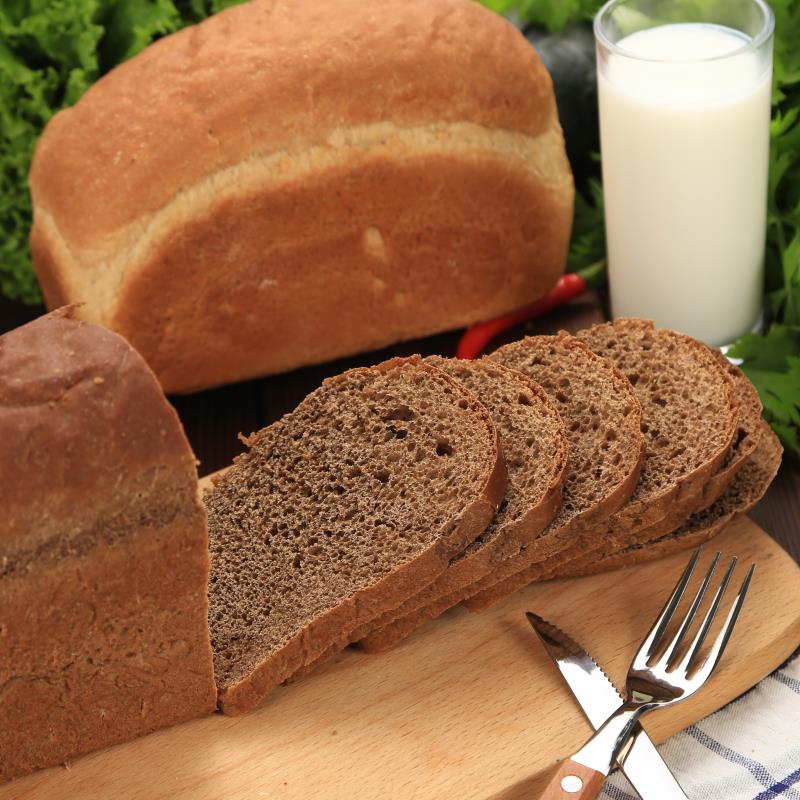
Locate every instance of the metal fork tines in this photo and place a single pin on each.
(664, 671)
(685, 674)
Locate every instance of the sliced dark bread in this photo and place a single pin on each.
(342, 509)
(744, 491)
(602, 420)
(535, 449)
(690, 415)
(747, 437)
(748, 432)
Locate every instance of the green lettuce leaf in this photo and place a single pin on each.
(551, 14)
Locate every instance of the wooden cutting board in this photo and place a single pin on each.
(468, 707)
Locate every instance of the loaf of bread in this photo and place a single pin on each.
(291, 181)
(103, 549)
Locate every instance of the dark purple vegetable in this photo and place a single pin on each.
(570, 58)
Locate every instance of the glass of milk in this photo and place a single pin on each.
(684, 91)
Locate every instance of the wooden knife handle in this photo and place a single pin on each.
(573, 781)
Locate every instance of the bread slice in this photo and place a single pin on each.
(689, 408)
(535, 448)
(342, 509)
(103, 550)
(744, 491)
(690, 415)
(748, 432)
(602, 420)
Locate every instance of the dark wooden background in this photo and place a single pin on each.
(213, 419)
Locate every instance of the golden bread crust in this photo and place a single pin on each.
(247, 196)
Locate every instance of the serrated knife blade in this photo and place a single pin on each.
(598, 699)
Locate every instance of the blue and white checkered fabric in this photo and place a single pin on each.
(749, 750)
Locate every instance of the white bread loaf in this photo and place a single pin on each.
(292, 181)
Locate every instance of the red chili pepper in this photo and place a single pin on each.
(476, 337)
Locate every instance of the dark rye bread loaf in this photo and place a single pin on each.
(602, 421)
(535, 449)
(339, 511)
(748, 432)
(103, 549)
(744, 491)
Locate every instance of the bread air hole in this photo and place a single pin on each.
(400, 412)
(443, 448)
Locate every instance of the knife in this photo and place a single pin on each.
(599, 699)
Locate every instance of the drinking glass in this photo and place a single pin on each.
(684, 90)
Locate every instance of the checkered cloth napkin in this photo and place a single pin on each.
(749, 750)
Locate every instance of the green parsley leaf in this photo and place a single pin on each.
(772, 363)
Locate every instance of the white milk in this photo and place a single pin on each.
(684, 152)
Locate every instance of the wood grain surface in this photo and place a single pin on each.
(468, 707)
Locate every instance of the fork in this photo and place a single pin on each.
(659, 675)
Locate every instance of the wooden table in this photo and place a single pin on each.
(214, 418)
